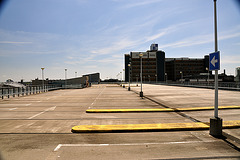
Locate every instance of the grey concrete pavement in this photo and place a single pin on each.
(177, 97)
(40, 125)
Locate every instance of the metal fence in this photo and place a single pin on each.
(235, 86)
(7, 92)
(78, 86)
(221, 85)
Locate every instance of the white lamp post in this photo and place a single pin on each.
(181, 76)
(156, 78)
(166, 77)
(141, 92)
(121, 77)
(137, 79)
(65, 78)
(124, 78)
(129, 65)
(42, 80)
(208, 75)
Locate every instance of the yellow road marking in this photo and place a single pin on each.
(150, 127)
(158, 109)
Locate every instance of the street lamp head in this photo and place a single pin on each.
(129, 65)
(140, 54)
(42, 68)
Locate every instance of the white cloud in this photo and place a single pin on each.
(233, 35)
(203, 39)
(91, 66)
(228, 57)
(12, 42)
(140, 3)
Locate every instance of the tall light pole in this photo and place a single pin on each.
(65, 78)
(141, 92)
(129, 65)
(75, 74)
(137, 79)
(156, 78)
(216, 122)
(208, 75)
(121, 77)
(166, 77)
(42, 80)
(181, 76)
(124, 78)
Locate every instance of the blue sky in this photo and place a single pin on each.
(88, 36)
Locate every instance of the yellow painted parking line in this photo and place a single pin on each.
(150, 127)
(158, 109)
(129, 110)
(231, 124)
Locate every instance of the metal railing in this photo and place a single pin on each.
(221, 85)
(210, 85)
(78, 86)
(7, 92)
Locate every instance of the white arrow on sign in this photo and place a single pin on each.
(214, 61)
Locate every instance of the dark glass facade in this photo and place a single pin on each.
(153, 66)
(158, 68)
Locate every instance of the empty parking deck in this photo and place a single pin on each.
(41, 124)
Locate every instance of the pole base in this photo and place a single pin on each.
(129, 88)
(141, 94)
(216, 127)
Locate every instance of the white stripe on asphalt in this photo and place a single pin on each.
(49, 109)
(96, 98)
(12, 109)
(127, 144)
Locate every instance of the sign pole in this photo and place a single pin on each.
(216, 95)
(141, 92)
(216, 71)
(216, 122)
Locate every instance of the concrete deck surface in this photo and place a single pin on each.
(40, 125)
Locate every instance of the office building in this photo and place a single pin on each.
(153, 65)
(182, 68)
(158, 68)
